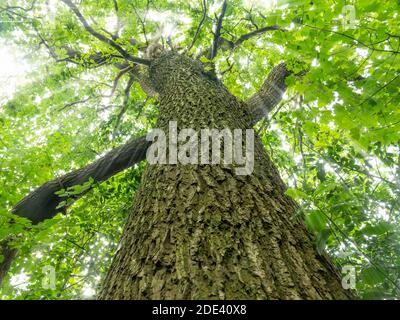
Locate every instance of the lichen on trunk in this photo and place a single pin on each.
(204, 232)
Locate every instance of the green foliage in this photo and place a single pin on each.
(334, 137)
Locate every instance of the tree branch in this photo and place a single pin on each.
(117, 78)
(204, 6)
(125, 104)
(8, 254)
(144, 81)
(143, 21)
(217, 33)
(357, 41)
(225, 44)
(18, 7)
(141, 76)
(269, 95)
(254, 33)
(74, 103)
(103, 38)
(41, 203)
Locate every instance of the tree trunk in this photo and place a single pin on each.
(204, 232)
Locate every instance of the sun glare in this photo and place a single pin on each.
(265, 4)
(13, 69)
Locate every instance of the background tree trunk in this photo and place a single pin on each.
(203, 232)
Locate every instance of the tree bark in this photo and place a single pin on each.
(269, 95)
(204, 232)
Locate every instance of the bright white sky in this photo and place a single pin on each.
(266, 4)
(13, 70)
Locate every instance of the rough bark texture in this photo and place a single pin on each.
(269, 95)
(203, 232)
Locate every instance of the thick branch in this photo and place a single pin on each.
(270, 93)
(141, 76)
(8, 254)
(103, 38)
(144, 81)
(41, 203)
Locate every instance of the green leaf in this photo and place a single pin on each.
(378, 229)
(295, 193)
(316, 220)
(372, 276)
(204, 59)
(322, 237)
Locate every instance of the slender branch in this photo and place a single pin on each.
(112, 35)
(125, 104)
(230, 66)
(225, 44)
(204, 7)
(96, 59)
(117, 78)
(18, 7)
(48, 47)
(380, 89)
(74, 103)
(252, 20)
(254, 33)
(369, 46)
(103, 38)
(217, 33)
(143, 21)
